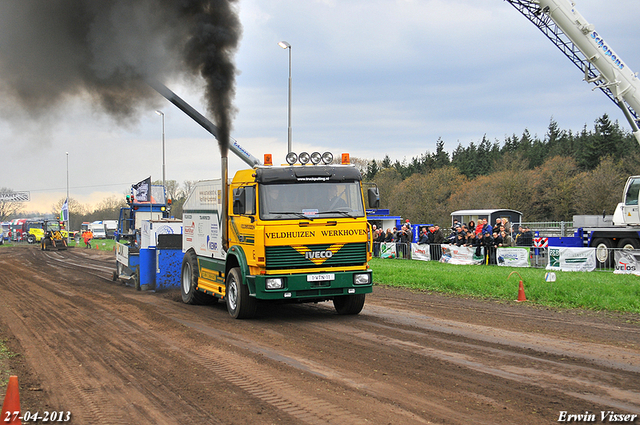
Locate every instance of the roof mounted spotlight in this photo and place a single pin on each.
(303, 158)
(327, 158)
(316, 158)
(291, 158)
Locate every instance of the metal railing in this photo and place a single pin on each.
(538, 257)
(547, 228)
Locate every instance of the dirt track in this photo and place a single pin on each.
(109, 354)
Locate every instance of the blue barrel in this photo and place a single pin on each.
(148, 268)
(168, 261)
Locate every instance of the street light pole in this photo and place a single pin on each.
(163, 162)
(68, 214)
(286, 45)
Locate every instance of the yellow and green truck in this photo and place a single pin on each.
(296, 233)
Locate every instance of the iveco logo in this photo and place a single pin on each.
(312, 255)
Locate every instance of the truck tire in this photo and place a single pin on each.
(604, 256)
(629, 243)
(31, 239)
(349, 304)
(239, 303)
(189, 281)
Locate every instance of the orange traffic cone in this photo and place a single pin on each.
(11, 405)
(521, 296)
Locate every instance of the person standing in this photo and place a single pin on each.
(424, 237)
(87, 236)
(489, 249)
(506, 239)
(405, 241)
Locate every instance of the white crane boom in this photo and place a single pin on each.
(577, 39)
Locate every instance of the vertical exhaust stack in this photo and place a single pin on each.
(211, 128)
(205, 123)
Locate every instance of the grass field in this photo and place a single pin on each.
(594, 291)
(101, 244)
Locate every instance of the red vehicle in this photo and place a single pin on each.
(18, 228)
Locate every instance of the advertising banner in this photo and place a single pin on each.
(627, 262)
(453, 254)
(388, 250)
(420, 252)
(513, 257)
(572, 259)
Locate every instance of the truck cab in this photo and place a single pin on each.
(627, 212)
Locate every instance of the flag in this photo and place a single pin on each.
(64, 212)
(142, 190)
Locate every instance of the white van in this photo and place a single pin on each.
(110, 226)
(98, 230)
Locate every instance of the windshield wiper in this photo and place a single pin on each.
(345, 213)
(297, 214)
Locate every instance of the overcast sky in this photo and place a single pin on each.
(370, 78)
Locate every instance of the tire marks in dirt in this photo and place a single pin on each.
(97, 385)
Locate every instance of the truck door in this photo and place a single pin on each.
(242, 219)
(631, 195)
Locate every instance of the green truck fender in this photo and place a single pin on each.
(236, 255)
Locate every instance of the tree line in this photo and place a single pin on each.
(548, 179)
(107, 209)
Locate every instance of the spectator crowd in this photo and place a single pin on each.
(473, 235)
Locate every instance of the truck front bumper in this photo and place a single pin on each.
(311, 286)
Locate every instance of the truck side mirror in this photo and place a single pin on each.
(373, 195)
(239, 200)
(244, 200)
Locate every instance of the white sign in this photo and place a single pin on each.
(420, 252)
(627, 262)
(572, 259)
(15, 197)
(513, 257)
(388, 250)
(465, 255)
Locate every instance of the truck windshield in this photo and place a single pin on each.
(310, 200)
(632, 192)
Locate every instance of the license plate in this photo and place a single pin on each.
(320, 277)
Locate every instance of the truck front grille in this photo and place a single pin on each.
(287, 257)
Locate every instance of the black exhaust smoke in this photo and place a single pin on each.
(106, 49)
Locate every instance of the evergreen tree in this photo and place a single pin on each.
(386, 162)
(588, 155)
(441, 157)
(372, 170)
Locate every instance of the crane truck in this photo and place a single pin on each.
(565, 27)
(561, 22)
(276, 234)
(620, 230)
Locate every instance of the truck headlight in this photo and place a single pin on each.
(362, 279)
(274, 283)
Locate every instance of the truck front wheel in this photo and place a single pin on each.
(349, 304)
(239, 304)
